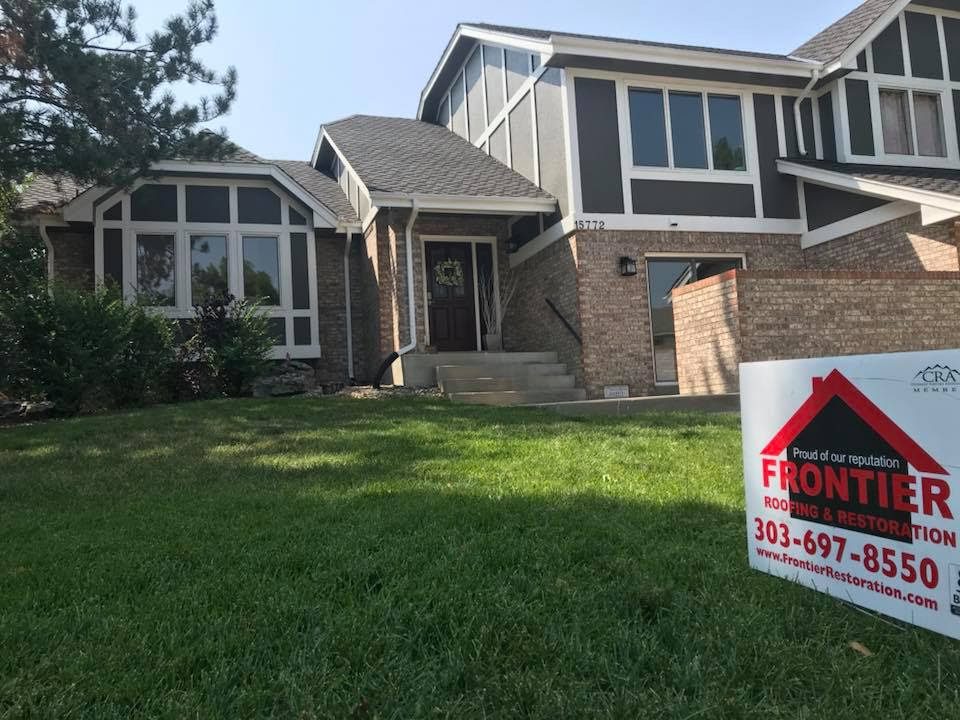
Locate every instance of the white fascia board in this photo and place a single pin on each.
(874, 188)
(464, 203)
(562, 45)
(481, 35)
(849, 57)
(930, 215)
(856, 223)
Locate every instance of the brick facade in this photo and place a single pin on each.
(530, 324)
(614, 310)
(73, 255)
(789, 315)
(902, 244)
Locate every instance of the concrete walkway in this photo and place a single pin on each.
(637, 406)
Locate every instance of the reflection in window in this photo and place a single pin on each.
(648, 128)
(686, 125)
(208, 262)
(261, 269)
(156, 265)
(930, 140)
(663, 277)
(895, 121)
(726, 132)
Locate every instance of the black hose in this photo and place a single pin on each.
(384, 367)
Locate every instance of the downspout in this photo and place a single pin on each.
(347, 304)
(797, 119)
(411, 300)
(49, 245)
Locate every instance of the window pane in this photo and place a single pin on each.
(156, 282)
(686, 124)
(895, 118)
(648, 127)
(726, 133)
(704, 269)
(154, 203)
(257, 206)
(261, 269)
(930, 140)
(208, 260)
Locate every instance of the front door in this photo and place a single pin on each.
(450, 296)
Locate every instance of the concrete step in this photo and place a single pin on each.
(489, 384)
(500, 370)
(519, 397)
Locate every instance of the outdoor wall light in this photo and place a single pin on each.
(628, 266)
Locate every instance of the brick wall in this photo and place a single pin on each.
(614, 310)
(73, 256)
(331, 306)
(902, 245)
(815, 314)
(707, 324)
(530, 324)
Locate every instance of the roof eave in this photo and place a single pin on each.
(465, 203)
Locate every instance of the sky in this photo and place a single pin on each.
(305, 62)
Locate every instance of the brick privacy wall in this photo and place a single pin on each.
(73, 263)
(385, 276)
(614, 310)
(902, 245)
(819, 314)
(707, 324)
(530, 324)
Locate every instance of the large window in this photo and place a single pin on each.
(664, 275)
(208, 260)
(156, 270)
(705, 130)
(898, 109)
(261, 269)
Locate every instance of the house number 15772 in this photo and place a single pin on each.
(590, 224)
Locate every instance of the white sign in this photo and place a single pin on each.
(852, 473)
(616, 392)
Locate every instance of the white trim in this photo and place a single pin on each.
(535, 132)
(483, 82)
(849, 57)
(861, 221)
(473, 241)
(573, 143)
(465, 203)
(869, 187)
(510, 102)
(50, 253)
(930, 215)
(781, 129)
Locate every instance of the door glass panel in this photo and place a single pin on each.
(208, 260)
(261, 269)
(156, 265)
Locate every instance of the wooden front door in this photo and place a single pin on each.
(450, 296)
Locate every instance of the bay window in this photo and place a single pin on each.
(705, 130)
(261, 269)
(208, 271)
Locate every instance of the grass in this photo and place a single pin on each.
(411, 558)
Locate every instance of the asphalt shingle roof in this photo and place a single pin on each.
(399, 155)
(935, 180)
(48, 192)
(547, 34)
(830, 43)
(322, 187)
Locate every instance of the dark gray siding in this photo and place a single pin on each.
(860, 117)
(779, 191)
(924, 43)
(809, 137)
(888, 51)
(664, 197)
(862, 61)
(828, 133)
(521, 138)
(474, 75)
(458, 110)
(493, 59)
(790, 127)
(598, 140)
(301, 331)
(300, 284)
(518, 67)
(498, 144)
(826, 205)
(951, 32)
(550, 141)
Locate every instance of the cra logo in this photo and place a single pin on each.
(936, 379)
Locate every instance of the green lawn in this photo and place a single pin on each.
(410, 558)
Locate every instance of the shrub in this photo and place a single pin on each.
(227, 349)
(85, 351)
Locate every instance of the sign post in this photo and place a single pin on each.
(852, 475)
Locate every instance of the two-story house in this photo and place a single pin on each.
(603, 178)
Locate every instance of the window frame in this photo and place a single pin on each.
(282, 289)
(746, 175)
(912, 117)
(676, 257)
(234, 232)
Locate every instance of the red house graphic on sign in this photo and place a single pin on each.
(847, 462)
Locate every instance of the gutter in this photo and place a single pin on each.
(797, 119)
(411, 300)
(49, 245)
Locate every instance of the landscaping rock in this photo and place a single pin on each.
(24, 411)
(288, 378)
